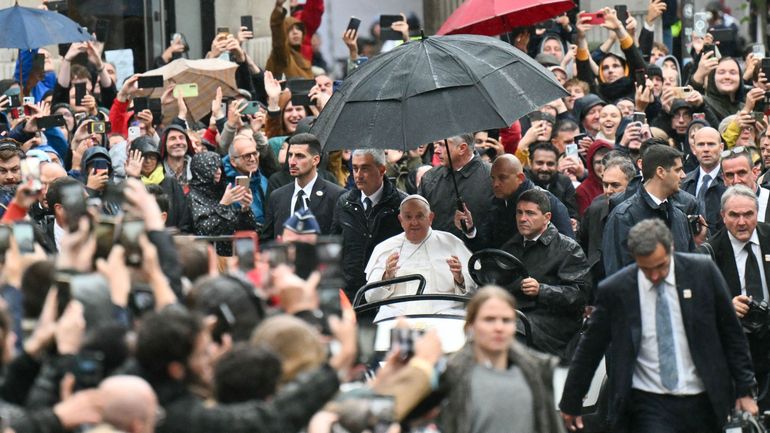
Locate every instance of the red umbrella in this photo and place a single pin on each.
(495, 17)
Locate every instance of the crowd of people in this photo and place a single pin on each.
(160, 272)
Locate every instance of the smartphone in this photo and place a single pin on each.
(242, 181)
(57, 6)
(765, 65)
(571, 149)
(681, 92)
(698, 116)
(133, 133)
(723, 35)
(535, 116)
(129, 238)
(758, 50)
(244, 246)
(105, 238)
(596, 18)
(252, 107)
(5, 240)
(386, 33)
(640, 117)
(14, 101)
(354, 23)
(30, 172)
(758, 116)
(102, 30)
(63, 292)
(299, 91)
(579, 137)
(140, 104)
(225, 322)
(80, 93)
(622, 11)
(25, 236)
(187, 90)
(150, 81)
(493, 134)
(700, 24)
(223, 32)
(53, 121)
(713, 48)
(248, 22)
(88, 369)
(640, 77)
(74, 203)
(97, 128)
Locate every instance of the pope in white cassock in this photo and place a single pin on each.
(438, 256)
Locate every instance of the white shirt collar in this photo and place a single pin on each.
(738, 245)
(375, 197)
(58, 232)
(713, 173)
(655, 199)
(308, 189)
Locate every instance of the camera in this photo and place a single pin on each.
(404, 338)
(757, 320)
(744, 422)
(695, 225)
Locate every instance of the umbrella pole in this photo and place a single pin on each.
(458, 200)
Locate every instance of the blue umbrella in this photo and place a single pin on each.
(27, 28)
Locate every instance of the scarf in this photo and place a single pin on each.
(156, 177)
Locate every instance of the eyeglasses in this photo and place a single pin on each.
(252, 155)
(739, 150)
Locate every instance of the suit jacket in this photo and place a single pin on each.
(714, 335)
(713, 196)
(322, 201)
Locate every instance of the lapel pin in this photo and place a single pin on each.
(767, 257)
(319, 193)
(687, 293)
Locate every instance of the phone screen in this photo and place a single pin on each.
(248, 22)
(80, 92)
(25, 237)
(354, 23)
(129, 238)
(150, 81)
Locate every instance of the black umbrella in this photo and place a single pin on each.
(438, 87)
(431, 89)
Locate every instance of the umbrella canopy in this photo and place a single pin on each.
(28, 28)
(495, 17)
(207, 73)
(431, 89)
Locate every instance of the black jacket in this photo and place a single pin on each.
(714, 336)
(475, 189)
(179, 215)
(713, 197)
(289, 411)
(360, 234)
(499, 225)
(721, 250)
(636, 208)
(590, 237)
(322, 201)
(559, 265)
(560, 186)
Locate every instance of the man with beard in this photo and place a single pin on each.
(286, 57)
(10, 172)
(308, 191)
(176, 151)
(508, 183)
(544, 173)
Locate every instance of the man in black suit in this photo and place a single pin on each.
(308, 191)
(745, 271)
(706, 183)
(738, 169)
(678, 357)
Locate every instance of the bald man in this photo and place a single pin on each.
(130, 404)
(499, 225)
(706, 182)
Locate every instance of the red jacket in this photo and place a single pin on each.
(119, 117)
(310, 15)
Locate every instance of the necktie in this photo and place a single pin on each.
(701, 196)
(528, 244)
(665, 334)
(300, 203)
(367, 206)
(752, 276)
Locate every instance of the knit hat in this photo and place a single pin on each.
(303, 222)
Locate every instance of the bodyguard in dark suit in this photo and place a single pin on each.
(307, 191)
(706, 182)
(741, 251)
(676, 355)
